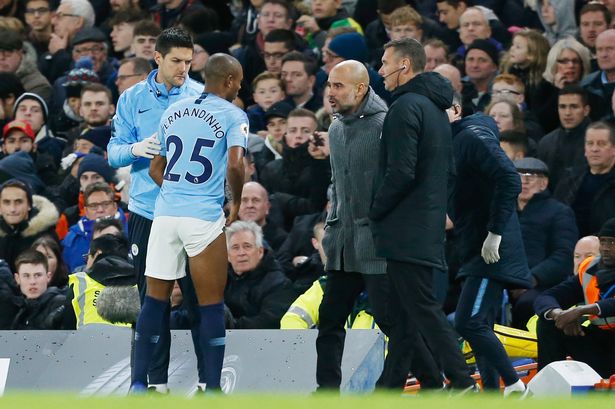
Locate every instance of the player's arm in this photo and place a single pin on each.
(156, 168)
(122, 137)
(234, 177)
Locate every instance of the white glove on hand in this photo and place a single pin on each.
(491, 245)
(147, 148)
(68, 161)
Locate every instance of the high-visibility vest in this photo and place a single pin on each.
(85, 295)
(591, 292)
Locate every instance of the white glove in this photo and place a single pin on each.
(68, 160)
(147, 148)
(490, 249)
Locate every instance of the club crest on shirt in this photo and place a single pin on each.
(244, 129)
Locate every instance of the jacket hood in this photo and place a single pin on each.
(113, 270)
(371, 105)
(565, 25)
(45, 218)
(476, 120)
(431, 85)
(20, 165)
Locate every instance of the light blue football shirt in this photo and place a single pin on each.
(195, 135)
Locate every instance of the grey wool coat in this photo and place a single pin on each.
(354, 142)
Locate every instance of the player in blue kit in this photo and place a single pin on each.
(203, 142)
(134, 142)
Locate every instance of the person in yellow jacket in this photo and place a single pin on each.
(577, 317)
(107, 264)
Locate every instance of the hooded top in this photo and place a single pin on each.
(565, 26)
(20, 165)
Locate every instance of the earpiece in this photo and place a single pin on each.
(403, 67)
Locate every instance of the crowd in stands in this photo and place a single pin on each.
(543, 69)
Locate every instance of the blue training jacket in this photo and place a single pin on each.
(137, 117)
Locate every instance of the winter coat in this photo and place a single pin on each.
(484, 200)
(32, 79)
(561, 149)
(44, 312)
(354, 140)
(592, 83)
(259, 298)
(10, 296)
(20, 165)
(77, 241)
(299, 241)
(549, 235)
(602, 206)
(409, 203)
(15, 239)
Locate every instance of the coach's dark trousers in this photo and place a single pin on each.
(413, 286)
(340, 293)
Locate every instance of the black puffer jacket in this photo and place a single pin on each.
(258, 299)
(409, 205)
(10, 296)
(485, 200)
(44, 312)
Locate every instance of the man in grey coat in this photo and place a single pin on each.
(352, 265)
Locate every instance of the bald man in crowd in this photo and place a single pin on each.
(352, 265)
(452, 74)
(588, 246)
(255, 207)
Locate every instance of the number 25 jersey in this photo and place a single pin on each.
(195, 136)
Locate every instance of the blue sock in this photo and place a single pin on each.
(212, 340)
(147, 336)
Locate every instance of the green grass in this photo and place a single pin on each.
(375, 401)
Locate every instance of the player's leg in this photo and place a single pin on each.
(209, 274)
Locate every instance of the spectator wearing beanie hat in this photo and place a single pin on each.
(352, 46)
(91, 137)
(92, 168)
(205, 45)
(481, 67)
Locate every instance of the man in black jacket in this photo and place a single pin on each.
(408, 210)
(560, 328)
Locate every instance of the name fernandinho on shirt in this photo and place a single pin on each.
(198, 113)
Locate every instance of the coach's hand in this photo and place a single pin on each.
(147, 148)
(233, 212)
(491, 247)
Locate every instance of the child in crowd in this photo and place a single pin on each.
(267, 89)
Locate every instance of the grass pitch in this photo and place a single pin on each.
(241, 401)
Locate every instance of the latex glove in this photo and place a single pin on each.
(491, 245)
(147, 148)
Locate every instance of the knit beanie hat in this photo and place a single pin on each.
(214, 42)
(98, 164)
(608, 228)
(486, 46)
(35, 97)
(349, 46)
(99, 136)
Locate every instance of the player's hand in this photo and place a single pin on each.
(491, 246)
(318, 145)
(147, 148)
(233, 213)
(57, 43)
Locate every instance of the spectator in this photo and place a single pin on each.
(376, 32)
(326, 14)
(561, 312)
(96, 108)
(122, 33)
(202, 21)
(557, 18)
(107, 264)
(330, 59)
(16, 62)
(168, 13)
(255, 207)
(276, 120)
(436, 52)
(313, 266)
(601, 83)
(549, 234)
(50, 248)
(563, 147)
(88, 44)
(474, 25)
(406, 23)
(257, 292)
(10, 89)
(205, 45)
(594, 18)
(107, 226)
(144, 39)
(99, 203)
(481, 67)
(38, 17)
(24, 218)
(449, 13)
(267, 89)
(567, 63)
(507, 116)
(70, 17)
(42, 307)
(278, 43)
(17, 136)
(590, 187)
(514, 144)
(91, 169)
(131, 71)
(299, 75)
(588, 246)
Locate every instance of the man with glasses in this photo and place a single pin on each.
(132, 71)
(577, 317)
(509, 87)
(99, 204)
(278, 43)
(549, 235)
(37, 15)
(70, 17)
